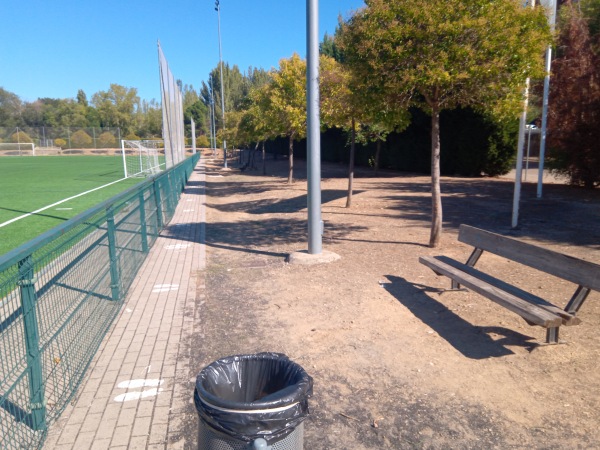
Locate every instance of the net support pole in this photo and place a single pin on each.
(315, 224)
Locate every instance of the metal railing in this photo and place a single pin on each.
(60, 293)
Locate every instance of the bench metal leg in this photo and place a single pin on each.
(471, 263)
(552, 335)
(577, 300)
(474, 257)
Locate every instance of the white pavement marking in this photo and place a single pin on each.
(165, 288)
(137, 395)
(139, 383)
(177, 246)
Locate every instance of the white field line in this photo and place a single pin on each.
(8, 222)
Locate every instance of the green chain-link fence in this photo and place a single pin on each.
(59, 294)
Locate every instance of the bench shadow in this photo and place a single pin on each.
(472, 341)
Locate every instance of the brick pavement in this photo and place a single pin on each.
(138, 385)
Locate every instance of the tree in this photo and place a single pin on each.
(574, 118)
(442, 54)
(20, 136)
(10, 109)
(254, 125)
(80, 139)
(107, 140)
(339, 107)
(117, 106)
(82, 98)
(284, 104)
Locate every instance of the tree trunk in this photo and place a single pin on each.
(264, 161)
(436, 195)
(351, 165)
(291, 160)
(377, 154)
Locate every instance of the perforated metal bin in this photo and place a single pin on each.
(252, 402)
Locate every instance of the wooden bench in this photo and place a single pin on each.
(535, 310)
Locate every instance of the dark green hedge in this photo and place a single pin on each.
(472, 145)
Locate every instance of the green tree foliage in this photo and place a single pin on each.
(574, 113)
(82, 98)
(284, 104)
(202, 141)
(330, 48)
(20, 136)
(198, 111)
(442, 54)
(107, 140)
(591, 12)
(80, 139)
(117, 106)
(10, 109)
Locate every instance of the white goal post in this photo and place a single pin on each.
(17, 149)
(141, 158)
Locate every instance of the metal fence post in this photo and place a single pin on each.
(32, 343)
(144, 230)
(171, 195)
(112, 253)
(157, 200)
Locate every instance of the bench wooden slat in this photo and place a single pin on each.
(568, 318)
(534, 312)
(583, 273)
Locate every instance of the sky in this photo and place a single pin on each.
(54, 48)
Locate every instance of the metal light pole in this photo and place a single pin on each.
(213, 124)
(218, 9)
(520, 148)
(315, 225)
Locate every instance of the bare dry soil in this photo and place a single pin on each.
(397, 361)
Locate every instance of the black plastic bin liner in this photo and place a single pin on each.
(253, 396)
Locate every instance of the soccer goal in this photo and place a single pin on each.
(141, 158)
(17, 149)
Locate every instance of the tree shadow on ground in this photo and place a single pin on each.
(279, 206)
(472, 341)
(566, 215)
(250, 236)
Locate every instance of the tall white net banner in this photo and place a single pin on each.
(172, 113)
(193, 136)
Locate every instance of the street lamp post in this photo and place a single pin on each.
(218, 9)
(315, 224)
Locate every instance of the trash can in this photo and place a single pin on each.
(252, 402)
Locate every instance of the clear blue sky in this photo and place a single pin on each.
(54, 48)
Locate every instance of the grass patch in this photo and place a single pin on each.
(30, 183)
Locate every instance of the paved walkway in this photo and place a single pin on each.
(138, 385)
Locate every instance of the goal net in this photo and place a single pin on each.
(141, 158)
(17, 149)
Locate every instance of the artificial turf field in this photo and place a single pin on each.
(30, 183)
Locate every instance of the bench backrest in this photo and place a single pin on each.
(583, 273)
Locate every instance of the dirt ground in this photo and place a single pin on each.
(397, 362)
